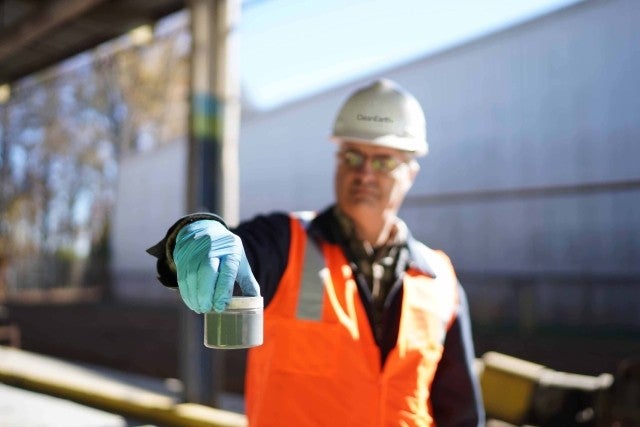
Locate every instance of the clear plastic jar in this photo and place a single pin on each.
(239, 326)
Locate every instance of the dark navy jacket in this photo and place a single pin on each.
(455, 394)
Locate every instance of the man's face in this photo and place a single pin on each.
(371, 182)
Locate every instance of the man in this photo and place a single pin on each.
(381, 336)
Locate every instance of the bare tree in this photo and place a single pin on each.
(60, 141)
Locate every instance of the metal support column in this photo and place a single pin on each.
(212, 165)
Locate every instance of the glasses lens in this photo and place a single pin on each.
(379, 164)
(353, 159)
(384, 164)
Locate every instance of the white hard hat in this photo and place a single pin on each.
(383, 114)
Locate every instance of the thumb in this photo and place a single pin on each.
(245, 278)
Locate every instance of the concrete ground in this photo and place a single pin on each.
(23, 408)
(42, 391)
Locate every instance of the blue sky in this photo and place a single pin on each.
(290, 49)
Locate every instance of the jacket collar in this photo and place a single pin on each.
(418, 258)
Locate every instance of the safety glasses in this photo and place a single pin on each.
(381, 163)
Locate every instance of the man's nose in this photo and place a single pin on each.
(366, 165)
(366, 168)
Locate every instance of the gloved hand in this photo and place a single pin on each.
(209, 259)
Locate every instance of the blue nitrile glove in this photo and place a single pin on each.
(209, 259)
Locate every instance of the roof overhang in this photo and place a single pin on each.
(35, 34)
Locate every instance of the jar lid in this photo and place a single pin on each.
(244, 302)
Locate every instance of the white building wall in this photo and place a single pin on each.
(151, 188)
(548, 104)
(533, 166)
(553, 103)
(532, 185)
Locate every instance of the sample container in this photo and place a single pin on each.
(239, 326)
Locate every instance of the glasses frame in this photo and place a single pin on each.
(383, 164)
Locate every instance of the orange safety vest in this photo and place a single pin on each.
(319, 364)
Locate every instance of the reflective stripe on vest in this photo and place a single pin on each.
(310, 297)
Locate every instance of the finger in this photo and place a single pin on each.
(215, 263)
(224, 285)
(246, 279)
(185, 288)
(203, 286)
(184, 267)
(190, 252)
